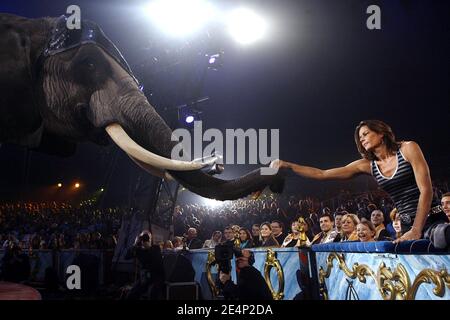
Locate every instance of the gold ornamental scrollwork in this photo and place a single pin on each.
(392, 285)
(273, 262)
(209, 263)
(441, 279)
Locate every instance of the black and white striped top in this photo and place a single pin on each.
(401, 187)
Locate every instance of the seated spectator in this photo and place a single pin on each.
(293, 239)
(365, 231)
(445, 203)
(338, 220)
(216, 238)
(168, 245)
(228, 234)
(245, 239)
(277, 230)
(256, 235)
(349, 223)
(267, 239)
(377, 220)
(192, 241)
(328, 233)
(178, 243)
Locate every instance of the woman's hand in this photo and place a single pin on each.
(278, 164)
(412, 234)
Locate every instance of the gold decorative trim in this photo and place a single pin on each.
(272, 261)
(209, 263)
(392, 285)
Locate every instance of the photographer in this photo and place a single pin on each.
(250, 283)
(151, 278)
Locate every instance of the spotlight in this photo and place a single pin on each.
(189, 119)
(180, 17)
(215, 61)
(77, 185)
(59, 185)
(245, 26)
(187, 115)
(101, 190)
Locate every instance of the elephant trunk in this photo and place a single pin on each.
(150, 131)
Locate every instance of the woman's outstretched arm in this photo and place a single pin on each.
(361, 166)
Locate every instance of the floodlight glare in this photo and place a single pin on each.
(180, 17)
(77, 185)
(60, 185)
(245, 26)
(189, 119)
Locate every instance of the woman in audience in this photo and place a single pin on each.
(267, 238)
(349, 223)
(365, 231)
(216, 238)
(396, 223)
(291, 239)
(245, 238)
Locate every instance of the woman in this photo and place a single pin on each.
(349, 223)
(267, 239)
(292, 239)
(399, 168)
(396, 223)
(216, 238)
(365, 231)
(245, 238)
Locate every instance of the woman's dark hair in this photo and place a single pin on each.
(381, 128)
(248, 233)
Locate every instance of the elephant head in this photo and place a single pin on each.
(74, 85)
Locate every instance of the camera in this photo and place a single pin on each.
(223, 255)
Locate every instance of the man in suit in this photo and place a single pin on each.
(192, 241)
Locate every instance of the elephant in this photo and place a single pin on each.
(59, 87)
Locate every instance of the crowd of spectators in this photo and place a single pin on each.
(273, 221)
(58, 226)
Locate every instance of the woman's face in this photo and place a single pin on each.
(348, 226)
(217, 236)
(369, 139)
(364, 233)
(265, 231)
(295, 226)
(243, 235)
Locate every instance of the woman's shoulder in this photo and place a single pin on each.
(409, 149)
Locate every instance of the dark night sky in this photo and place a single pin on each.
(317, 74)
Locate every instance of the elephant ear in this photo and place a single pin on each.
(20, 120)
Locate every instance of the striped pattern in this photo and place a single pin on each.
(401, 187)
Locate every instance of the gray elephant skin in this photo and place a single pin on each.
(51, 104)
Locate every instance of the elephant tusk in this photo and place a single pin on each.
(123, 140)
(152, 170)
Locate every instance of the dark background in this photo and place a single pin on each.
(315, 76)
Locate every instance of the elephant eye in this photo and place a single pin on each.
(90, 65)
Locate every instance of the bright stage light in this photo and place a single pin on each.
(77, 185)
(245, 26)
(212, 203)
(59, 185)
(180, 17)
(189, 119)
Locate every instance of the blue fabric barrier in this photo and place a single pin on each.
(413, 247)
